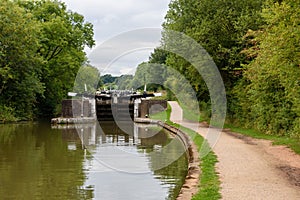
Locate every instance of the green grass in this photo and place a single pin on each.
(292, 143)
(209, 183)
(162, 116)
(188, 114)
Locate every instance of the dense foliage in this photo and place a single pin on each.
(108, 78)
(256, 47)
(122, 82)
(218, 26)
(41, 51)
(152, 74)
(20, 66)
(269, 93)
(87, 80)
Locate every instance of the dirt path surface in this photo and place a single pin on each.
(251, 168)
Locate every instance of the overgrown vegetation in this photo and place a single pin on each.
(7, 114)
(269, 92)
(256, 47)
(41, 49)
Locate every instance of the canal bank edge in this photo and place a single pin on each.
(191, 183)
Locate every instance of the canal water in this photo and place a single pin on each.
(96, 161)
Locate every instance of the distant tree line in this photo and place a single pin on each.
(41, 50)
(122, 82)
(153, 75)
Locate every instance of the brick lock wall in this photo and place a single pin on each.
(72, 108)
(149, 106)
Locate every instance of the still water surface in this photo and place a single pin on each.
(106, 161)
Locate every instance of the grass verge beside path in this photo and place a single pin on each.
(292, 143)
(209, 184)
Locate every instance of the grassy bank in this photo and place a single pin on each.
(209, 184)
(209, 181)
(292, 143)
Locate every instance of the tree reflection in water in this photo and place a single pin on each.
(37, 162)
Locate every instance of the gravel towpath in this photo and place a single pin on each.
(250, 168)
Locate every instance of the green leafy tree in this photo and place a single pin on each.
(139, 79)
(269, 94)
(158, 56)
(87, 78)
(152, 74)
(63, 35)
(219, 27)
(124, 82)
(108, 78)
(41, 49)
(20, 65)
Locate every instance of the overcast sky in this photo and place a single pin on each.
(114, 22)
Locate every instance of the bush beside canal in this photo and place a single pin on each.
(7, 114)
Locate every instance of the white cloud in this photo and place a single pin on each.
(110, 18)
(125, 50)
